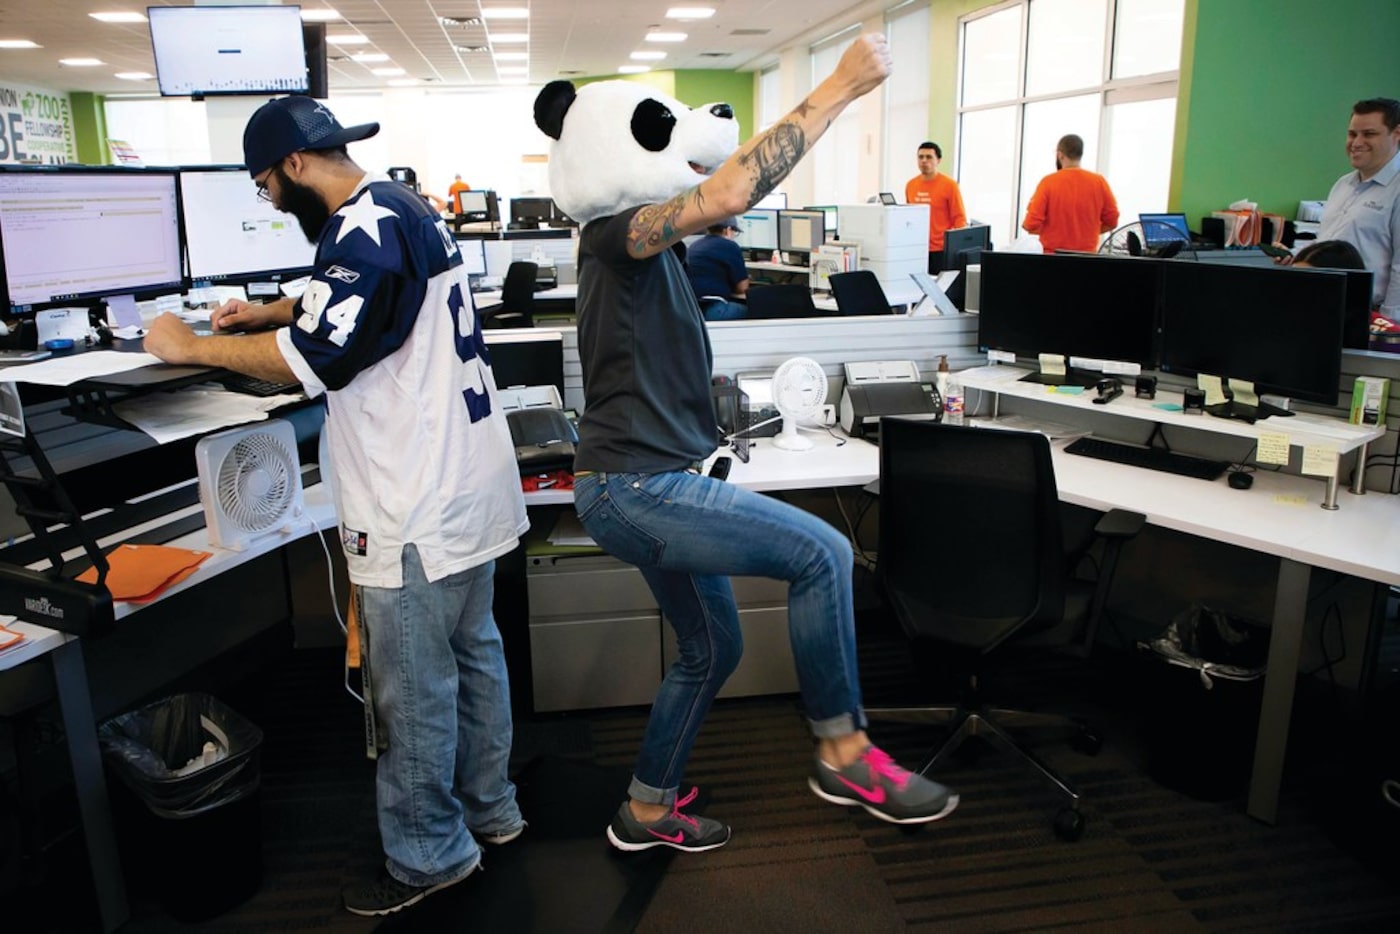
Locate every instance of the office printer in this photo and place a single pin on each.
(885, 388)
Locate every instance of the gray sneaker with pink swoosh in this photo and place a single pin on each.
(689, 832)
(876, 783)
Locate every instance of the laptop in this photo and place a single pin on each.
(935, 291)
(1160, 229)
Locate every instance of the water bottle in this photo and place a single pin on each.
(953, 401)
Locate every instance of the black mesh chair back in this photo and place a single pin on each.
(780, 301)
(859, 293)
(970, 541)
(517, 298)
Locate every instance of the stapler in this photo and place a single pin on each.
(1108, 390)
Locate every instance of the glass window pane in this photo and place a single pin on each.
(1045, 123)
(1139, 155)
(1148, 37)
(987, 168)
(991, 57)
(1066, 45)
(906, 98)
(768, 112)
(836, 156)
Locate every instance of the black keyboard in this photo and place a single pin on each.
(1152, 458)
(252, 386)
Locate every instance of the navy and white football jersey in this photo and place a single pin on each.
(419, 449)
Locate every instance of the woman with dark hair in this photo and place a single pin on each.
(1339, 254)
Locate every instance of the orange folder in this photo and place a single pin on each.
(140, 573)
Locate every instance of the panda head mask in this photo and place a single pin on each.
(618, 144)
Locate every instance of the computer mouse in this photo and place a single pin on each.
(1240, 480)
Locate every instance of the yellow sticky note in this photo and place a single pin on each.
(1290, 499)
(1272, 448)
(1243, 392)
(1319, 460)
(1210, 385)
(1052, 364)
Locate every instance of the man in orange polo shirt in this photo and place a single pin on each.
(1072, 207)
(944, 200)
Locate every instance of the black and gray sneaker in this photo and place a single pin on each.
(688, 832)
(386, 895)
(876, 783)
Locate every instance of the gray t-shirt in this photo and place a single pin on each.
(646, 358)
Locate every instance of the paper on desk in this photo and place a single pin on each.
(61, 324)
(64, 371)
(1319, 460)
(140, 573)
(168, 416)
(569, 531)
(1272, 448)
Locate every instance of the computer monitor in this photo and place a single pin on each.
(74, 234)
(801, 231)
(473, 256)
(1278, 328)
(963, 247)
(773, 201)
(529, 213)
(1160, 229)
(758, 229)
(526, 357)
(232, 235)
(207, 50)
(1356, 327)
(479, 207)
(829, 223)
(1095, 307)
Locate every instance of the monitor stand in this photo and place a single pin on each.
(1070, 377)
(1245, 413)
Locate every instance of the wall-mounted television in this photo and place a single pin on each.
(207, 50)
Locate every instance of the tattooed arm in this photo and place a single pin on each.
(764, 161)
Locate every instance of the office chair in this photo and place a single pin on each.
(996, 579)
(780, 301)
(517, 298)
(859, 293)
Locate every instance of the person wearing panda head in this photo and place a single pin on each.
(640, 171)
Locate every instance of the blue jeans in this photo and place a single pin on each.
(688, 534)
(440, 692)
(724, 311)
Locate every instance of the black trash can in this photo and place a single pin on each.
(1205, 689)
(190, 827)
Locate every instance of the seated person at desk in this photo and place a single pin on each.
(1339, 254)
(717, 272)
(426, 487)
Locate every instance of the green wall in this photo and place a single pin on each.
(89, 127)
(1266, 92)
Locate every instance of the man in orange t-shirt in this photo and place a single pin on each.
(1072, 206)
(944, 200)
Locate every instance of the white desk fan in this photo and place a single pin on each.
(799, 389)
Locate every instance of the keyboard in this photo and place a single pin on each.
(252, 386)
(1152, 458)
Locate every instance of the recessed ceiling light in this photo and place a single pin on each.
(369, 57)
(351, 39)
(134, 75)
(459, 20)
(118, 17)
(509, 37)
(19, 44)
(473, 49)
(323, 15)
(402, 82)
(387, 72)
(666, 37)
(512, 56)
(632, 69)
(506, 12)
(690, 12)
(81, 62)
(647, 56)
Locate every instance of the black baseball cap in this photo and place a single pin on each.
(294, 124)
(731, 222)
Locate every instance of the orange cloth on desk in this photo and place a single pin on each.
(140, 573)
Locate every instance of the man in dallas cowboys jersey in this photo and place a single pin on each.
(426, 485)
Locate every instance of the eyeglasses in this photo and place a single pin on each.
(263, 193)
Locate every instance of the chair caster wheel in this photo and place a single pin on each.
(1086, 741)
(1069, 825)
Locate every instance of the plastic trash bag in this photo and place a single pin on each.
(162, 753)
(1214, 643)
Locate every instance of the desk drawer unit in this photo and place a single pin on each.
(766, 667)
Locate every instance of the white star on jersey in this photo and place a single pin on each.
(364, 215)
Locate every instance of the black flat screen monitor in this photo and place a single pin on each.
(1096, 307)
(526, 358)
(531, 212)
(758, 229)
(207, 50)
(1356, 331)
(232, 235)
(963, 240)
(73, 234)
(801, 231)
(829, 224)
(479, 207)
(1278, 328)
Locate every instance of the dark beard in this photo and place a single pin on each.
(303, 203)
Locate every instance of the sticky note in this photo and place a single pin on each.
(1052, 364)
(1068, 390)
(1244, 392)
(1210, 385)
(1167, 406)
(1272, 448)
(1319, 460)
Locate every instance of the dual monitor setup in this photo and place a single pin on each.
(763, 231)
(482, 206)
(1281, 330)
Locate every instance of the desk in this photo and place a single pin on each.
(64, 655)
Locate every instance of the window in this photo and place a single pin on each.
(1034, 70)
(907, 96)
(836, 156)
(769, 109)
